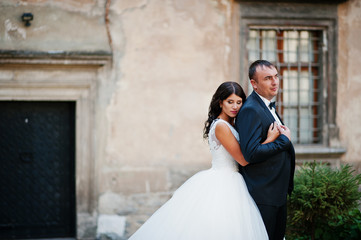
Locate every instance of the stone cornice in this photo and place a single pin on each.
(97, 58)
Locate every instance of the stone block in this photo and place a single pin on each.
(136, 181)
(111, 227)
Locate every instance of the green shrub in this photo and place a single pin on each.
(324, 204)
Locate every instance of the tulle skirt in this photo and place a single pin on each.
(214, 204)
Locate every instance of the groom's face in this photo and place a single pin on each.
(266, 82)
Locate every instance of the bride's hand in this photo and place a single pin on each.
(273, 133)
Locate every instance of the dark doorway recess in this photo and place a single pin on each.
(37, 170)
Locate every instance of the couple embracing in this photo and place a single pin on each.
(243, 195)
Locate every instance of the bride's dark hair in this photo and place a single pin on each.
(223, 92)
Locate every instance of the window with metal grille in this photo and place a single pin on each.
(297, 54)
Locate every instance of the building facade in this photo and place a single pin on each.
(131, 81)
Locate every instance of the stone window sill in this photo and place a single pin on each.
(316, 152)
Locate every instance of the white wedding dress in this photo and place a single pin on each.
(214, 204)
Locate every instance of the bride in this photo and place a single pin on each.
(214, 204)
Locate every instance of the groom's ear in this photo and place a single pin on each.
(254, 84)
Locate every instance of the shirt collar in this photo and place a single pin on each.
(265, 100)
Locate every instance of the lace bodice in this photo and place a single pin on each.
(221, 159)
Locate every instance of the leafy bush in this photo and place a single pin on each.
(324, 204)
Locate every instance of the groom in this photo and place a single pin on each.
(269, 174)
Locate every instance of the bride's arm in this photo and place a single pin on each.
(229, 142)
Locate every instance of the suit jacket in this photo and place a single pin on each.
(269, 174)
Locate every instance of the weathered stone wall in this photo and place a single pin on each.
(58, 26)
(148, 104)
(349, 80)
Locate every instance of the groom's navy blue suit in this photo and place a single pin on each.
(269, 174)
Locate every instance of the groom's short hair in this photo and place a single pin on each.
(255, 64)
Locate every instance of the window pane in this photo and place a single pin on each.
(305, 91)
(290, 118)
(306, 50)
(269, 45)
(305, 126)
(290, 93)
(253, 45)
(290, 46)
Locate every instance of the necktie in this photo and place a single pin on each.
(272, 105)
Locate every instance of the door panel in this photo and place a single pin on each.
(37, 169)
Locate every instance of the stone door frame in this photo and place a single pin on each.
(61, 78)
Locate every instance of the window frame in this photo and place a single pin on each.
(309, 16)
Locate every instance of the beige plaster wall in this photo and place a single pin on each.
(349, 79)
(169, 57)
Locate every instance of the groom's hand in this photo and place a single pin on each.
(285, 131)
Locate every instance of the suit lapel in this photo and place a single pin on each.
(263, 106)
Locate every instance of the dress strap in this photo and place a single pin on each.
(233, 130)
(215, 121)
